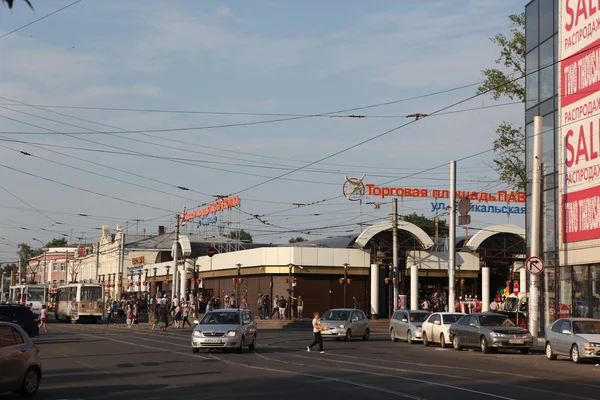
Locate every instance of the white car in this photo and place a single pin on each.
(436, 326)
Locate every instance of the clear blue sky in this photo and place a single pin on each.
(269, 56)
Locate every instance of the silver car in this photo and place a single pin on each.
(489, 331)
(225, 329)
(20, 365)
(577, 338)
(407, 325)
(344, 323)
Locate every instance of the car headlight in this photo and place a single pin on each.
(595, 344)
(232, 333)
(527, 335)
(497, 334)
(585, 344)
(197, 333)
(342, 326)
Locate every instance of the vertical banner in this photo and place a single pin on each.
(579, 122)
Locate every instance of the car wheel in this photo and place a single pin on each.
(253, 344)
(575, 354)
(456, 343)
(442, 341)
(31, 382)
(425, 340)
(393, 335)
(240, 349)
(366, 335)
(409, 339)
(525, 351)
(348, 335)
(195, 350)
(549, 352)
(484, 345)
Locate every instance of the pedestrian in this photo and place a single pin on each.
(282, 306)
(267, 307)
(129, 316)
(300, 306)
(108, 313)
(164, 318)
(186, 312)
(493, 305)
(244, 303)
(136, 316)
(177, 317)
(317, 334)
(275, 306)
(261, 304)
(355, 300)
(43, 318)
(425, 305)
(232, 303)
(156, 316)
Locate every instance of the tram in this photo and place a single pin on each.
(79, 302)
(33, 295)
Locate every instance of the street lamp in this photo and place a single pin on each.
(140, 283)
(197, 276)
(290, 289)
(154, 269)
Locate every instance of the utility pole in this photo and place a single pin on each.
(536, 213)
(66, 266)
(452, 237)
(121, 265)
(175, 286)
(395, 272)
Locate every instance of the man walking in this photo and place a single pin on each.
(317, 334)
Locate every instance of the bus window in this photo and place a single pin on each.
(91, 294)
(36, 294)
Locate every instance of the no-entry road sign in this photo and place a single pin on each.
(534, 265)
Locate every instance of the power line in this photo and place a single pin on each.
(39, 19)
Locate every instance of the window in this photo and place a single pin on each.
(473, 320)
(361, 315)
(556, 326)
(91, 293)
(354, 317)
(54, 267)
(532, 79)
(565, 326)
(464, 320)
(62, 267)
(8, 337)
(595, 281)
(436, 317)
(451, 318)
(546, 21)
(396, 316)
(246, 317)
(532, 25)
(565, 285)
(548, 221)
(546, 66)
(581, 289)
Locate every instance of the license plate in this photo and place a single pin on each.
(516, 341)
(213, 341)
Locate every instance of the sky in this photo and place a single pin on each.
(88, 135)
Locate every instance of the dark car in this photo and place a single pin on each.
(20, 315)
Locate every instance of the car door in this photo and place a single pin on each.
(249, 329)
(394, 323)
(471, 332)
(353, 324)
(402, 325)
(563, 337)
(364, 321)
(13, 361)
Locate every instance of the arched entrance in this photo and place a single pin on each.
(379, 240)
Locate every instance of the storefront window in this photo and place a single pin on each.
(565, 287)
(581, 291)
(595, 280)
(549, 296)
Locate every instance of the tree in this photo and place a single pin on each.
(508, 82)
(10, 3)
(57, 242)
(240, 235)
(427, 224)
(33, 269)
(297, 240)
(25, 253)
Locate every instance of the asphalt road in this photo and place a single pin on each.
(99, 362)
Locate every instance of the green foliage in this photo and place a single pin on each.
(297, 240)
(427, 224)
(240, 235)
(508, 82)
(57, 242)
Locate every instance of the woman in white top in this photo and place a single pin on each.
(317, 332)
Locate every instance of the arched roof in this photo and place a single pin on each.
(477, 239)
(418, 233)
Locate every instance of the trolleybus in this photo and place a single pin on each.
(79, 302)
(27, 294)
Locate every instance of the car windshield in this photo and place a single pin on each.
(450, 319)
(418, 317)
(495, 320)
(35, 294)
(583, 327)
(336, 315)
(221, 318)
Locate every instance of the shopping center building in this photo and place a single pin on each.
(562, 39)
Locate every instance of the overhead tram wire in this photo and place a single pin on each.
(28, 205)
(39, 19)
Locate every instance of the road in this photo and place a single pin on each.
(99, 362)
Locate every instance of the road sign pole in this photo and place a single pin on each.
(536, 207)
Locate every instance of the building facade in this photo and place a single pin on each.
(558, 88)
